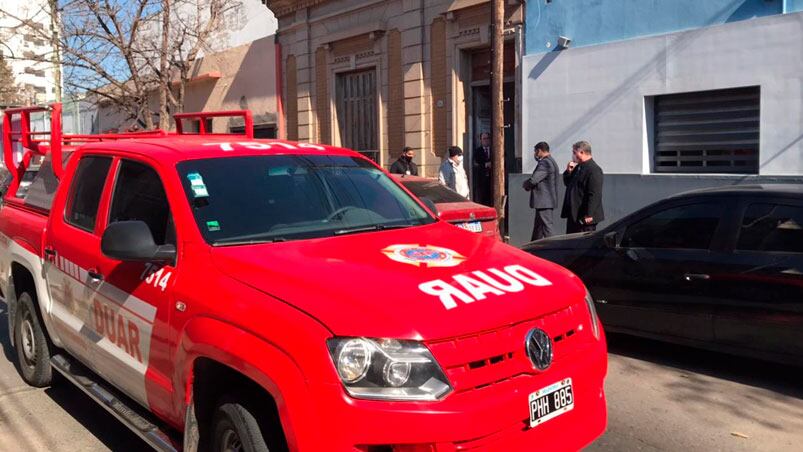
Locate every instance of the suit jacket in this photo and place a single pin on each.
(480, 159)
(543, 184)
(583, 197)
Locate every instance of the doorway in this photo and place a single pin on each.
(480, 108)
(357, 112)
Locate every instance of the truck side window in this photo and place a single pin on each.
(140, 195)
(85, 192)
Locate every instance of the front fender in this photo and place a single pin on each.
(254, 357)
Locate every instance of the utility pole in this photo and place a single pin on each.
(497, 110)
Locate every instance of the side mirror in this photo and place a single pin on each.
(430, 205)
(610, 240)
(133, 241)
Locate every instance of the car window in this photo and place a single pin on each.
(85, 192)
(433, 190)
(239, 200)
(28, 176)
(140, 195)
(684, 227)
(772, 227)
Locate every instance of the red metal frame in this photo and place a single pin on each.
(203, 116)
(55, 140)
(29, 142)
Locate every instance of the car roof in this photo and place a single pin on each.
(793, 190)
(176, 148)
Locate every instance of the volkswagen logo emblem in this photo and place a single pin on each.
(539, 348)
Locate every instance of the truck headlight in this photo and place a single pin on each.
(387, 369)
(592, 310)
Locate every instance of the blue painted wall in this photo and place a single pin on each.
(589, 22)
(794, 6)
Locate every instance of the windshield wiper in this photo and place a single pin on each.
(369, 228)
(235, 241)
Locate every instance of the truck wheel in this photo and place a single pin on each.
(235, 429)
(33, 348)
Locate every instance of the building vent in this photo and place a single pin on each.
(708, 132)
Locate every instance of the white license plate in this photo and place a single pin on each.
(551, 402)
(473, 226)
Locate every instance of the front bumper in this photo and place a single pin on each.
(493, 418)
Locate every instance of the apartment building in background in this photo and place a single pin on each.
(27, 52)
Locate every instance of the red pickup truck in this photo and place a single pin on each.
(218, 292)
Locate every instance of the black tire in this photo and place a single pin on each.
(32, 344)
(235, 428)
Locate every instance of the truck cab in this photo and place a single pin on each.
(219, 291)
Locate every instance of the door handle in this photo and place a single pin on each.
(50, 254)
(696, 277)
(94, 275)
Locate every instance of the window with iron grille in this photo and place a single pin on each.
(356, 112)
(708, 131)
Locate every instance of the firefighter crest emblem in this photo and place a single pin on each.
(424, 255)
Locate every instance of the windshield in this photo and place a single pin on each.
(241, 200)
(433, 190)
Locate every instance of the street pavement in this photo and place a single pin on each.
(660, 397)
(667, 397)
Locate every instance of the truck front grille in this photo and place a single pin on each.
(490, 357)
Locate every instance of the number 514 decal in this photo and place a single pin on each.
(156, 276)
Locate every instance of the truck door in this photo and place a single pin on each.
(131, 311)
(69, 261)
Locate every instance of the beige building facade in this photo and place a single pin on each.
(376, 76)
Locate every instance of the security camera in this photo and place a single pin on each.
(563, 42)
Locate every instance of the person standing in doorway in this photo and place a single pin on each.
(405, 164)
(543, 188)
(452, 174)
(482, 170)
(582, 202)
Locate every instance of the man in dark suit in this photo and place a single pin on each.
(543, 188)
(582, 203)
(482, 171)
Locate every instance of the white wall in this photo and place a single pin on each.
(243, 21)
(597, 93)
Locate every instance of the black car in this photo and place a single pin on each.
(717, 268)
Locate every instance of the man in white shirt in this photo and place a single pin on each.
(452, 174)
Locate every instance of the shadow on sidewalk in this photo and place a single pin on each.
(752, 372)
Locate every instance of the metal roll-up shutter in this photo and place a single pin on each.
(708, 132)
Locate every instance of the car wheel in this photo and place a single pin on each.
(235, 429)
(33, 347)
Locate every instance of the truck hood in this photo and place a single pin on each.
(392, 283)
